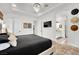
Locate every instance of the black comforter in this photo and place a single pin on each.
(28, 45)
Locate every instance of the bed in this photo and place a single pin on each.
(28, 45)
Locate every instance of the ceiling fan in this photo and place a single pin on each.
(37, 7)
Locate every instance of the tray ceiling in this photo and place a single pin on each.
(26, 9)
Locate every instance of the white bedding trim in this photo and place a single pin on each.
(4, 46)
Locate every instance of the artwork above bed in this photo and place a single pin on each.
(27, 25)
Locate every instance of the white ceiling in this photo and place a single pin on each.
(27, 9)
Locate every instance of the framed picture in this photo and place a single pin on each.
(27, 25)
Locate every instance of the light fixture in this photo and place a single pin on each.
(13, 5)
(36, 7)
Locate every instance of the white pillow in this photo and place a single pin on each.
(4, 46)
(13, 40)
(13, 43)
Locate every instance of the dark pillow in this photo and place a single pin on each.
(3, 39)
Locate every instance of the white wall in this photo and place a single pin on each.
(19, 30)
(38, 27)
(46, 32)
(16, 25)
(49, 16)
(9, 23)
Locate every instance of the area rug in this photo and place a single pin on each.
(64, 49)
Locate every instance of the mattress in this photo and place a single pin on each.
(28, 45)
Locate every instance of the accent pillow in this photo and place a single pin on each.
(13, 43)
(13, 40)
